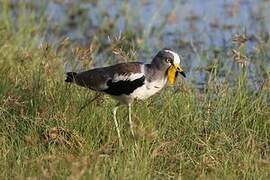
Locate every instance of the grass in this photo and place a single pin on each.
(46, 131)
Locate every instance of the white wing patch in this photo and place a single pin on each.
(127, 77)
(176, 57)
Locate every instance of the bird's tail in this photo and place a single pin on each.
(70, 76)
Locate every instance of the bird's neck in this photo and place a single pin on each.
(158, 66)
(156, 72)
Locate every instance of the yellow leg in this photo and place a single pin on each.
(117, 127)
(131, 123)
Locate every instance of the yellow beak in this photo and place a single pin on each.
(174, 69)
(179, 69)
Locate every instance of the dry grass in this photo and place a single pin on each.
(51, 130)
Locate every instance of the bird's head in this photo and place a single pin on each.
(168, 60)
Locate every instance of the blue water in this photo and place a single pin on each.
(188, 26)
(213, 23)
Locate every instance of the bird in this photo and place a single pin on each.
(131, 81)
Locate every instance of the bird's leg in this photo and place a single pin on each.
(117, 126)
(131, 123)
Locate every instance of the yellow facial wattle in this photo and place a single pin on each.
(172, 75)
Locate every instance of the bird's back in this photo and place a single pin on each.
(99, 78)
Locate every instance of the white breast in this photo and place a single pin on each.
(148, 89)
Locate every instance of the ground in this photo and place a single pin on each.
(51, 129)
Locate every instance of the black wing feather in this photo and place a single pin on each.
(124, 86)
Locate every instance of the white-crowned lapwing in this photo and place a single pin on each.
(129, 81)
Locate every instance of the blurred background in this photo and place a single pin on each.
(135, 30)
(214, 124)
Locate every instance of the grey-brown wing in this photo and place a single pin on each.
(100, 79)
(94, 79)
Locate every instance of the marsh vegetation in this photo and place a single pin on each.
(215, 124)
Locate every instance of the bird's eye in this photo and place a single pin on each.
(168, 60)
